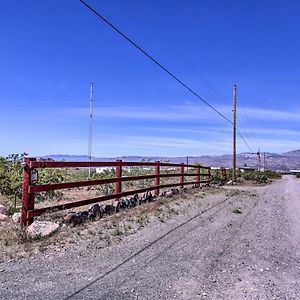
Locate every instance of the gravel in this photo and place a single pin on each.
(208, 252)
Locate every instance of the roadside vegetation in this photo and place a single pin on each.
(11, 181)
(255, 176)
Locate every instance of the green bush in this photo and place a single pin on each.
(272, 174)
(11, 176)
(258, 177)
(215, 176)
(105, 189)
(261, 177)
(46, 176)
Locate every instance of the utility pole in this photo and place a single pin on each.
(265, 162)
(90, 128)
(258, 156)
(234, 136)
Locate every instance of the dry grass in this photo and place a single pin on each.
(14, 242)
(3, 200)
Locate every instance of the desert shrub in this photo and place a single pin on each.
(137, 171)
(298, 175)
(261, 177)
(105, 189)
(46, 176)
(272, 174)
(215, 176)
(11, 176)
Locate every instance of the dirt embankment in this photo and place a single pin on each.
(228, 244)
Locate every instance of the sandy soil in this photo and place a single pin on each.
(241, 243)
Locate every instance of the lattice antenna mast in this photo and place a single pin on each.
(91, 127)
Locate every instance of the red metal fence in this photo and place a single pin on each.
(29, 188)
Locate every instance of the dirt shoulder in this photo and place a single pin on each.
(224, 244)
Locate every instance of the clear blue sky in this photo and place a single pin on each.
(52, 50)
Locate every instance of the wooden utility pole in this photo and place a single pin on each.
(234, 136)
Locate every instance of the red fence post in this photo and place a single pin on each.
(27, 199)
(198, 178)
(156, 179)
(181, 176)
(118, 184)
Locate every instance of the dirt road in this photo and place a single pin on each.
(233, 244)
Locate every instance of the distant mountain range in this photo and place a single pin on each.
(281, 162)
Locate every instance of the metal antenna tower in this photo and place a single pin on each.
(234, 136)
(90, 127)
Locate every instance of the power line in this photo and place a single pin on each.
(182, 56)
(165, 69)
(248, 120)
(156, 62)
(243, 130)
(228, 75)
(241, 136)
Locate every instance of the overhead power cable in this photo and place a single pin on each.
(239, 133)
(155, 61)
(164, 69)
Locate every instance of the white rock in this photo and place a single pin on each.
(41, 229)
(16, 217)
(4, 218)
(3, 209)
(169, 194)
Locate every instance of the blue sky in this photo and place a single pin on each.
(52, 50)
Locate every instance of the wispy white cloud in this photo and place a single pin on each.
(272, 132)
(272, 115)
(170, 113)
(181, 113)
(195, 132)
(118, 145)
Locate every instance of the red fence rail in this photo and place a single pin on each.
(29, 187)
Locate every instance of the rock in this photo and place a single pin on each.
(116, 205)
(3, 209)
(4, 218)
(136, 197)
(95, 209)
(229, 182)
(83, 215)
(149, 196)
(109, 209)
(92, 215)
(102, 211)
(69, 218)
(16, 217)
(175, 191)
(123, 203)
(77, 221)
(72, 218)
(40, 229)
(169, 194)
(133, 202)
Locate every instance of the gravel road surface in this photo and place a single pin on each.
(240, 243)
